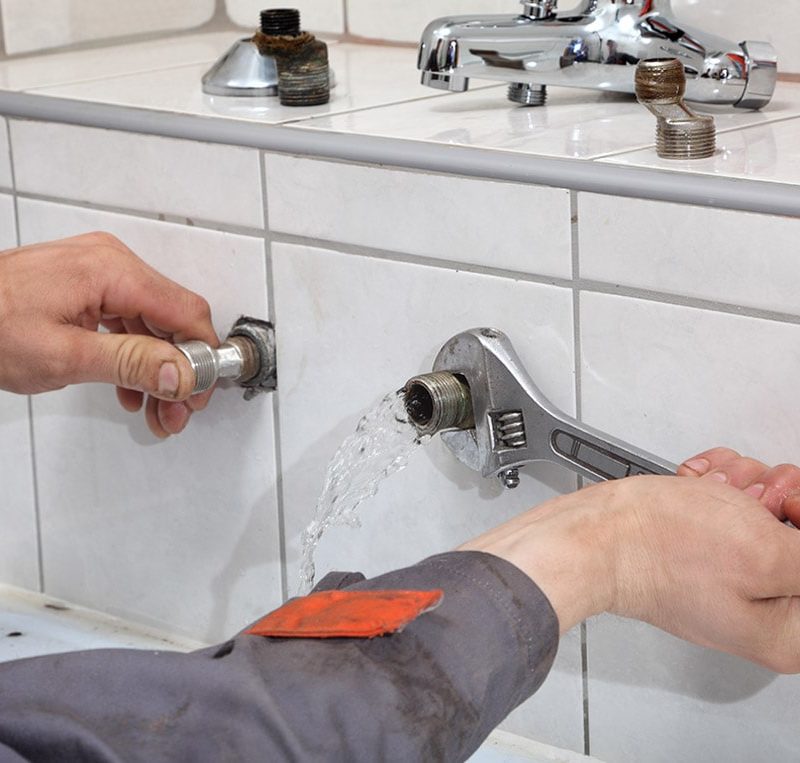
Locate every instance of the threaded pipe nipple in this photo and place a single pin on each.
(284, 22)
(527, 95)
(680, 133)
(438, 401)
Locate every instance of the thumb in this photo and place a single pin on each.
(134, 361)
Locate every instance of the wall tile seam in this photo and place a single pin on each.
(34, 472)
(90, 80)
(411, 170)
(678, 300)
(170, 219)
(580, 286)
(276, 395)
(574, 221)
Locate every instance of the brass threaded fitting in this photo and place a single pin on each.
(680, 133)
(438, 401)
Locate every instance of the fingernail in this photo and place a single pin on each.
(699, 465)
(169, 379)
(756, 490)
(718, 476)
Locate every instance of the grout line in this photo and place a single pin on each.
(36, 503)
(190, 222)
(58, 85)
(37, 515)
(302, 121)
(581, 284)
(576, 327)
(586, 285)
(276, 410)
(346, 17)
(587, 746)
(678, 300)
(720, 131)
(415, 259)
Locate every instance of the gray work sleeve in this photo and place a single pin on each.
(431, 693)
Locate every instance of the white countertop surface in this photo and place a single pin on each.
(379, 113)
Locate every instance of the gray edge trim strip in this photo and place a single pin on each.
(579, 175)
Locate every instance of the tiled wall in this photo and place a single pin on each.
(30, 25)
(672, 336)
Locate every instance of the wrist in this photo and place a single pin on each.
(567, 547)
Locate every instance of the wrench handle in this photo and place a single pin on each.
(600, 457)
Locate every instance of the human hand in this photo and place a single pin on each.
(55, 296)
(702, 559)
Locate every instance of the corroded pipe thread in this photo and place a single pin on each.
(438, 401)
(680, 133)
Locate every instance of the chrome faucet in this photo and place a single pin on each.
(596, 45)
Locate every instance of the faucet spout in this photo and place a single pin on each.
(596, 45)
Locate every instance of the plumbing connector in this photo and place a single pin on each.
(680, 133)
(438, 402)
(247, 356)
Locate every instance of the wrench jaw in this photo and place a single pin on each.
(511, 414)
(515, 424)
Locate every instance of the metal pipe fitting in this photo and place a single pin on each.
(437, 402)
(247, 356)
(680, 133)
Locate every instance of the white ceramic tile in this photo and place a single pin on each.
(352, 328)
(6, 180)
(164, 176)
(676, 380)
(100, 63)
(445, 217)
(362, 73)
(581, 124)
(315, 15)
(768, 152)
(732, 257)
(181, 534)
(657, 699)
(42, 24)
(8, 226)
(387, 20)
(736, 20)
(18, 545)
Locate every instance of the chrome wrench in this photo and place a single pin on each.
(495, 420)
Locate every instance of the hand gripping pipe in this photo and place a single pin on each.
(247, 357)
(495, 420)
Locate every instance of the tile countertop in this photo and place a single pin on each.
(380, 114)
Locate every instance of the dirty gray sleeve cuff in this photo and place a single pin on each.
(432, 692)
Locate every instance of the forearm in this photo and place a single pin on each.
(432, 692)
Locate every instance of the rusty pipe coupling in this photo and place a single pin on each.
(247, 357)
(680, 133)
